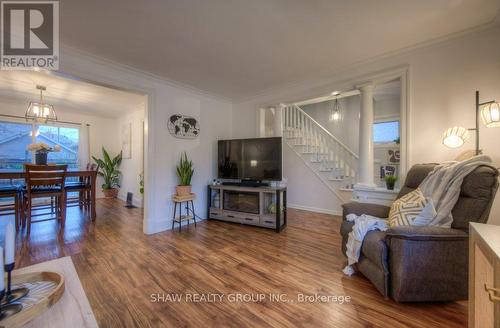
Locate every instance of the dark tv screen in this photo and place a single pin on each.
(250, 159)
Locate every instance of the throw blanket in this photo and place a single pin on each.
(362, 225)
(442, 186)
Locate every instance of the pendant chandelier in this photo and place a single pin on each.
(335, 114)
(40, 112)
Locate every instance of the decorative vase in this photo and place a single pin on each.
(183, 190)
(41, 158)
(110, 193)
(216, 200)
(390, 185)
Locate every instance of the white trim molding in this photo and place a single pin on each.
(315, 209)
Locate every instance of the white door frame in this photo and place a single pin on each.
(148, 142)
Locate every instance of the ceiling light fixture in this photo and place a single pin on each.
(40, 112)
(457, 136)
(335, 112)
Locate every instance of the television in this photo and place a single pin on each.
(255, 159)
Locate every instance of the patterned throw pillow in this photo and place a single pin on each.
(405, 209)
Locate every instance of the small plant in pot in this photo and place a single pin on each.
(108, 170)
(185, 173)
(390, 181)
(141, 183)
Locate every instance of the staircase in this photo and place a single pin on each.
(332, 161)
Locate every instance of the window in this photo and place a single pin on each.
(68, 138)
(15, 138)
(386, 132)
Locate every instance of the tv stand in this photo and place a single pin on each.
(261, 206)
(247, 183)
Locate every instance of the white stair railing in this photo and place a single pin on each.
(335, 162)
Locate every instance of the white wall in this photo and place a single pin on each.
(162, 151)
(318, 200)
(100, 129)
(347, 129)
(442, 81)
(133, 166)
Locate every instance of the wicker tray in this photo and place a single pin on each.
(45, 289)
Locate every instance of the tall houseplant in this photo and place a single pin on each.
(108, 169)
(185, 173)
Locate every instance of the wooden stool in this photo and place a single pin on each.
(179, 219)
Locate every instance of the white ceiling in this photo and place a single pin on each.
(240, 48)
(68, 93)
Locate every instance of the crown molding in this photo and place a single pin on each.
(69, 50)
(314, 83)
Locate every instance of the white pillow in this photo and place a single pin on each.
(426, 215)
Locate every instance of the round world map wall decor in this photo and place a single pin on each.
(185, 127)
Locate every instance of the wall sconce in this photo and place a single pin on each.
(457, 136)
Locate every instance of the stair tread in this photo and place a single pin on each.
(329, 161)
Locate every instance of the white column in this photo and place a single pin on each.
(366, 160)
(278, 120)
(261, 122)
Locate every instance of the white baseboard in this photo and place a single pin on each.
(156, 226)
(315, 209)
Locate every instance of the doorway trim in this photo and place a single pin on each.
(148, 140)
(403, 73)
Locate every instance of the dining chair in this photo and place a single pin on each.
(45, 181)
(11, 191)
(83, 188)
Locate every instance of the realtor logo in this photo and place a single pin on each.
(30, 35)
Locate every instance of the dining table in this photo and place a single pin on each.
(92, 174)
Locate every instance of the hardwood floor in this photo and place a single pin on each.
(120, 268)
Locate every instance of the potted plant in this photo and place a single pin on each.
(390, 180)
(141, 183)
(41, 150)
(108, 169)
(185, 173)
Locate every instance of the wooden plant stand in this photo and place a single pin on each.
(178, 200)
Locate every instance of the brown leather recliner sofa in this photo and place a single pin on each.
(417, 264)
